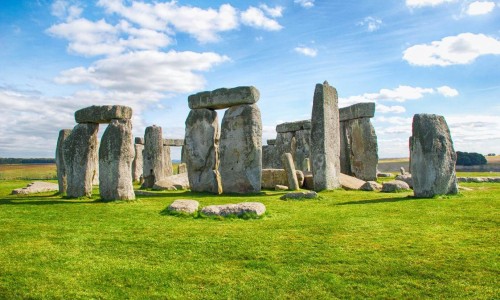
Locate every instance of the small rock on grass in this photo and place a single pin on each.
(300, 195)
(239, 209)
(184, 206)
(395, 186)
(371, 186)
(279, 187)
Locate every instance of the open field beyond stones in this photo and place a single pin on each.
(347, 244)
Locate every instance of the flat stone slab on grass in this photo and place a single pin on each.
(350, 182)
(384, 175)
(239, 209)
(184, 206)
(395, 186)
(371, 186)
(224, 98)
(406, 178)
(36, 187)
(172, 183)
(299, 195)
(293, 126)
(103, 113)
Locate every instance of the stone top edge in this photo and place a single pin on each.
(224, 97)
(356, 111)
(103, 113)
(293, 126)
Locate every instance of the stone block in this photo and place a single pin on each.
(356, 111)
(224, 98)
(293, 126)
(103, 113)
(273, 177)
(62, 177)
(173, 142)
(153, 156)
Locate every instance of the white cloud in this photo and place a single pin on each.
(311, 52)
(372, 24)
(460, 49)
(397, 109)
(400, 94)
(447, 91)
(304, 3)
(422, 3)
(254, 17)
(480, 8)
(273, 12)
(63, 10)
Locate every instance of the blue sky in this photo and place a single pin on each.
(413, 56)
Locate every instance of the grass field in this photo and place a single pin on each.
(347, 244)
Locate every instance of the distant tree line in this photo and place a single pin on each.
(13, 161)
(470, 159)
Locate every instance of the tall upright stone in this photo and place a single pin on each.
(325, 138)
(269, 156)
(285, 143)
(432, 157)
(116, 154)
(153, 165)
(362, 149)
(201, 148)
(241, 149)
(137, 163)
(80, 155)
(62, 177)
(302, 148)
(167, 161)
(289, 166)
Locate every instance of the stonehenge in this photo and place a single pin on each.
(62, 177)
(137, 163)
(153, 157)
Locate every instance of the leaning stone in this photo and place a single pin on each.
(325, 138)
(395, 186)
(271, 142)
(184, 206)
(279, 187)
(362, 148)
(116, 154)
(103, 114)
(235, 209)
(371, 186)
(299, 195)
(80, 155)
(406, 178)
(356, 111)
(179, 181)
(137, 163)
(201, 151)
(287, 161)
(36, 187)
(62, 177)
(273, 177)
(432, 157)
(173, 142)
(139, 140)
(241, 150)
(293, 126)
(224, 98)
(153, 156)
(350, 182)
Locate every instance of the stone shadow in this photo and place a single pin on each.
(375, 201)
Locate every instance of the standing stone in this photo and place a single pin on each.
(287, 161)
(95, 179)
(285, 143)
(137, 163)
(241, 149)
(433, 158)
(80, 154)
(325, 138)
(269, 156)
(362, 149)
(201, 148)
(116, 154)
(153, 165)
(302, 148)
(167, 161)
(224, 98)
(345, 148)
(62, 178)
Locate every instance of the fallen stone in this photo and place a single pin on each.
(153, 156)
(406, 178)
(299, 195)
(432, 157)
(239, 209)
(184, 206)
(62, 177)
(279, 187)
(36, 187)
(395, 186)
(478, 179)
(371, 186)
(273, 177)
(178, 181)
(287, 161)
(103, 113)
(173, 142)
(350, 182)
(293, 126)
(356, 111)
(224, 98)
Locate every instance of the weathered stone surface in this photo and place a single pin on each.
(173, 142)
(271, 142)
(293, 126)
(395, 186)
(167, 161)
(325, 138)
(356, 111)
(80, 156)
(62, 178)
(116, 154)
(139, 140)
(361, 148)
(299, 195)
(345, 163)
(153, 156)
(224, 98)
(201, 151)
(287, 161)
(241, 150)
(432, 157)
(308, 182)
(371, 186)
(269, 156)
(350, 182)
(235, 209)
(103, 113)
(285, 143)
(478, 179)
(279, 187)
(36, 187)
(402, 171)
(382, 174)
(184, 206)
(137, 163)
(302, 149)
(178, 181)
(273, 177)
(406, 178)
(182, 168)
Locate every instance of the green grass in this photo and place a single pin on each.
(28, 171)
(349, 244)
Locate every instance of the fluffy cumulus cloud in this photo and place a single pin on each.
(480, 8)
(422, 3)
(257, 18)
(307, 51)
(305, 3)
(447, 91)
(371, 23)
(464, 48)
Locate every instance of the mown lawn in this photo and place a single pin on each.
(345, 245)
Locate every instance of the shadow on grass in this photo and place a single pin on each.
(375, 201)
(28, 201)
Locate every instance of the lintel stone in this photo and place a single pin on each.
(173, 142)
(224, 98)
(271, 142)
(293, 126)
(356, 111)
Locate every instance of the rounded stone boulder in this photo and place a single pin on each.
(395, 186)
(184, 206)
